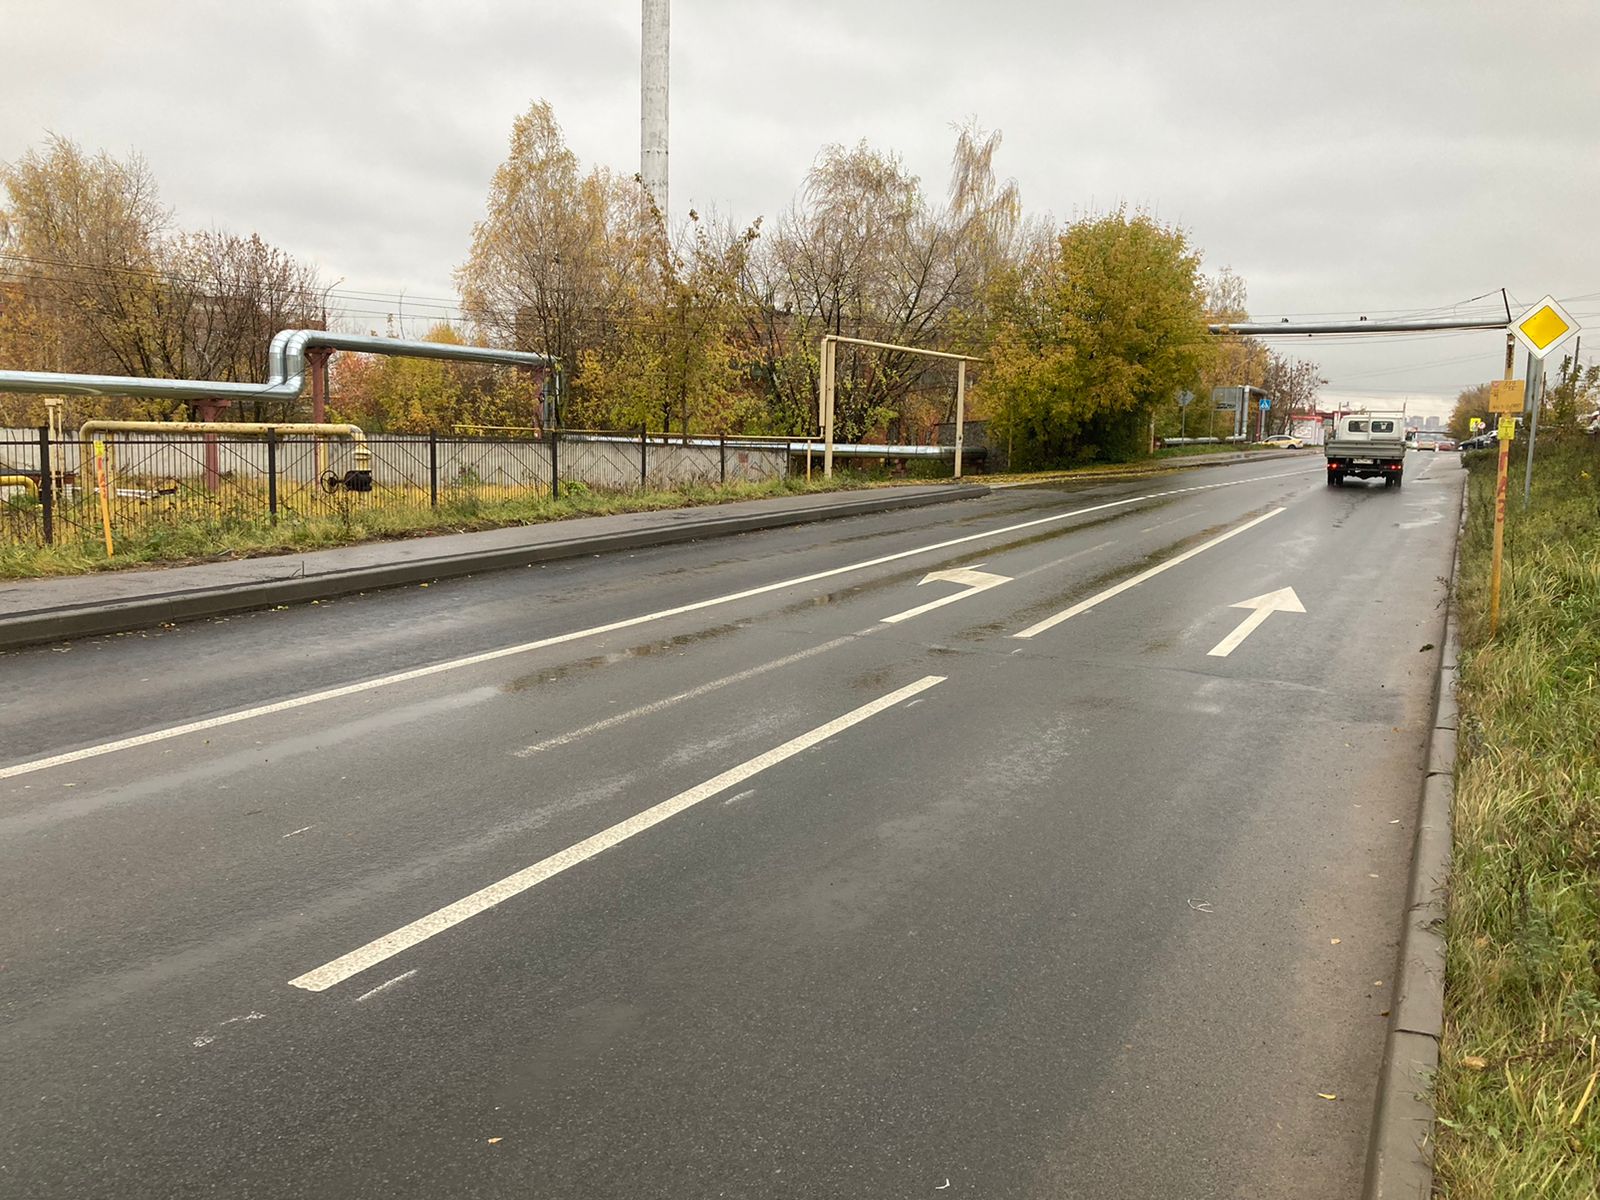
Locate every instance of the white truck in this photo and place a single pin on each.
(1366, 445)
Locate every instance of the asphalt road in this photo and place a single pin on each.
(690, 873)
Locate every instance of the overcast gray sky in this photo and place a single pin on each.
(1344, 157)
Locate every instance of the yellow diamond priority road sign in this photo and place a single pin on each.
(1544, 327)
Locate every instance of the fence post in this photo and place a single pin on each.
(722, 458)
(642, 451)
(433, 468)
(272, 474)
(555, 465)
(47, 491)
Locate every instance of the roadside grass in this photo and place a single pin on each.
(1519, 1114)
(195, 536)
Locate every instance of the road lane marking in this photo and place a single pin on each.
(450, 915)
(1084, 606)
(1282, 600)
(383, 987)
(976, 581)
(487, 656)
(694, 693)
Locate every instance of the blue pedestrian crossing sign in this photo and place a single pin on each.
(1265, 404)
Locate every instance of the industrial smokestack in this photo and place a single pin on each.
(653, 102)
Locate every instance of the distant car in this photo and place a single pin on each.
(1482, 441)
(1287, 440)
(1446, 443)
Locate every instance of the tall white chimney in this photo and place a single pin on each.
(653, 61)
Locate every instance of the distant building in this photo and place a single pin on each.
(1431, 423)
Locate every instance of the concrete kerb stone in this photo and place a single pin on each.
(1400, 1146)
(1402, 1127)
(53, 625)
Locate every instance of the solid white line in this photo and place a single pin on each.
(436, 922)
(471, 660)
(693, 693)
(385, 986)
(1101, 597)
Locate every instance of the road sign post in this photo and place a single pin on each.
(1507, 426)
(1535, 399)
(1542, 328)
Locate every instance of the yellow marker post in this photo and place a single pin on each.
(101, 486)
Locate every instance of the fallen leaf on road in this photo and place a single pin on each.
(1333, 941)
(493, 1141)
(1328, 1095)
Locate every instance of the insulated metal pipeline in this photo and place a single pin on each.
(1419, 325)
(286, 369)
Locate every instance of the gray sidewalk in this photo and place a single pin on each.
(43, 610)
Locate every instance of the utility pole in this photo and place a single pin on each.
(653, 71)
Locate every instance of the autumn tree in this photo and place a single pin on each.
(558, 252)
(81, 237)
(863, 253)
(398, 394)
(1093, 335)
(96, 280)
(1571, 394)
(1471, 402)
(1293, 384)
(677, 356)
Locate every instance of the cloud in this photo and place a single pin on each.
(1344, 158)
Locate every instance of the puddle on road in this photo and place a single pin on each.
(658, 646)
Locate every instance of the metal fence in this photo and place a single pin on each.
(50, 491)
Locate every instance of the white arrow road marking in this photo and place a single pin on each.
(423, 928)
(1282, 600)
(1084, 606)
(976, 581)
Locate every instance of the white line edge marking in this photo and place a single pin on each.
(420, 930)
(471, 660)
(693, 693)
(385, 986)
(1101, 597)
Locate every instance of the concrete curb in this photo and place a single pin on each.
(1400, 1148)
(62, 623)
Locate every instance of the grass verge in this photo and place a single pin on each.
(1516, 1092)
(192, 538)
